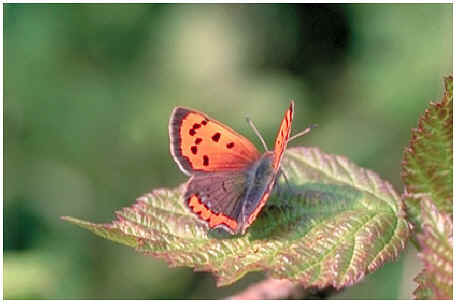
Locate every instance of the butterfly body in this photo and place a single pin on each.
(230, 180)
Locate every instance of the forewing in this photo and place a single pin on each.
(217, 197)
(280, 147)
(201, 144)
(283, 135)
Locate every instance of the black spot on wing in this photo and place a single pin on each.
(205, 160)
(216, 137)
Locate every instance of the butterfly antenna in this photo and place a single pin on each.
(305, 131)
(251, 123)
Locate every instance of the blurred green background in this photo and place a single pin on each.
(88, 90)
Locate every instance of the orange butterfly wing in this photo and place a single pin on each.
(280, 147)
(283, 135)
(199, 143)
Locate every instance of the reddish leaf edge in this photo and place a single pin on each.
(411, 199)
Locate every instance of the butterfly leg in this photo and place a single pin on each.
(284, 195)
(278, 190)
(285, 178)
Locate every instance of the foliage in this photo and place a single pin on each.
(435, 281)
(427, 160)
(336, 223)
(427, 174)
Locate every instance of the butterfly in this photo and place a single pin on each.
(230, 180)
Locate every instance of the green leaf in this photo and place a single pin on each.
(427, 160)
(336, 223)
(435, 281)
